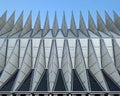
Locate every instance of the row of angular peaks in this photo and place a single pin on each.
(6, 26)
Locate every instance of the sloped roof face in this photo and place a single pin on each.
(60, 59)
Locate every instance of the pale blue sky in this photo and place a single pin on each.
(59, 6)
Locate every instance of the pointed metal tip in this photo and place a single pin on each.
(72, 12)
(115, 14)
(38, 13)
(55, 12)
(81, 16)
(88, 12)
(30, 15)
(97, 13)
(31, 12)
(64, 18)
(72, 16)
(5, 12)
(80, 12)
(22, 12)
(55, 15)
(46, 25)
(63, 13)
(106, 13)
(13, 15)
(89, 15)
(47, 13)
(114, 11)
(14, 12)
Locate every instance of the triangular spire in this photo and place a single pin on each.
(3, 20)
(80, 65)
(91, 25)
(64, 25)
(55, 25)
(116, 20)
(67, 64)
(28, 24)
(93, 64)
(110, 25)
(37, 26)
(107, 63)
(101, 25)
(39, 64)
(82, 25)
(25, 67)
(18, 26)
(46, 25)
(9, 25)
(73, 25)
(53, 65)
(12, 64)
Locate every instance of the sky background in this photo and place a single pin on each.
(59, 6)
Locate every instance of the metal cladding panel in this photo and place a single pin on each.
(53, 65)
(116, 54)
(11, 66)
(25, 67)
(66, 64)
(39, 64)
(94, 66)
(60, 43)
(80, 65)
(67, 59)
(3, 55)
(108, 64)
